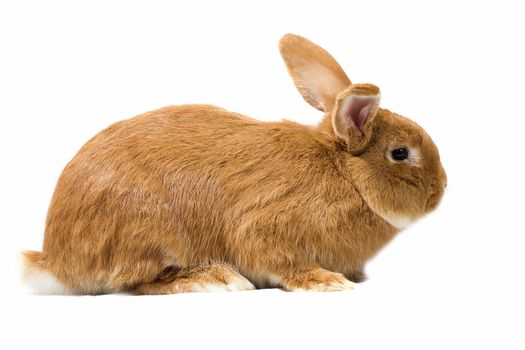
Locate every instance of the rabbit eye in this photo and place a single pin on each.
(399, 154)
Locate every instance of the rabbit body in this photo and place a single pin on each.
(183, 195)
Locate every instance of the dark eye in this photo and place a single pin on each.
(399, 154)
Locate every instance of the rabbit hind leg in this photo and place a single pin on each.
(203, 278)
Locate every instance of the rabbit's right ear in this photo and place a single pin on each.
(316, 74)
(354, 113)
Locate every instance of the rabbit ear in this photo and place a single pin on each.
(316, 74)
(353, 114)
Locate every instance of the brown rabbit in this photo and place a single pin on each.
(197, 198)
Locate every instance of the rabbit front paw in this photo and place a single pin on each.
(317, 280)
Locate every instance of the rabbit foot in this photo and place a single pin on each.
(356, 276)
(208, 278)
(317, 280)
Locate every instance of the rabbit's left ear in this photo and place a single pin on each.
(316, 74)
(354, 113)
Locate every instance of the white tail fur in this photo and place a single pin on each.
(37, 278)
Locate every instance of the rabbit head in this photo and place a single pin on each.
(392, 161)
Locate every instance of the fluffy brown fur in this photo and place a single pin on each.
(194, 197)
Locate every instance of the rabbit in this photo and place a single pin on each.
(195, 198)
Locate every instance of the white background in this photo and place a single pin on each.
(454, 280)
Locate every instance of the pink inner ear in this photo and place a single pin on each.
(358, 109)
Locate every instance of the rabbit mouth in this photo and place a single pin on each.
(434, 199)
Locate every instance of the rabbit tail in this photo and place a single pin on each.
(37, 277)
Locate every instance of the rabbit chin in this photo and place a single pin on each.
(397, 220)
